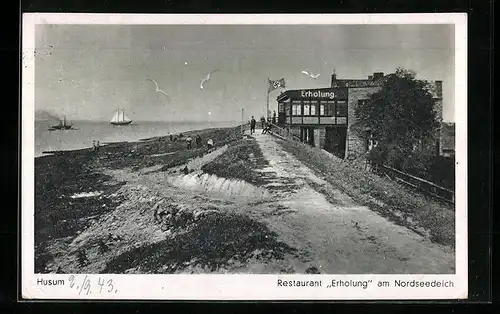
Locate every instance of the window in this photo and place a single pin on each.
(281, 107)
(296, 108)
(287, 110)
(307, 105)
(341, 109)
(322, 108)
(313, 108)
(330, 107)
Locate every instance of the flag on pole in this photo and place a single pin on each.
(275, 84)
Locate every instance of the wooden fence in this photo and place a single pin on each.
(417, 183)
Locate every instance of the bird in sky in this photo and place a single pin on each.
(314, 76)
(209, 74)
(158, 90)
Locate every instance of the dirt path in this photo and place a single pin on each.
(337, 235)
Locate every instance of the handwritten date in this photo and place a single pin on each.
(89, 286)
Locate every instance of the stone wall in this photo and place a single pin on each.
(438, 108)
(356, 145)
(436, 89)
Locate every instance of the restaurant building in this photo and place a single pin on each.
(325, 117)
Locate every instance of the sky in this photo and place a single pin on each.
(86, 72)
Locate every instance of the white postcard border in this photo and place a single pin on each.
(237, 287)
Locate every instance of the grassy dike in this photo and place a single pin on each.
(399, 204)
(239, 162)
(58, 177)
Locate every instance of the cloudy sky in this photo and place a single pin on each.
(88, 71)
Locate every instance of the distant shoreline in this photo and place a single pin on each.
(126, 143)
(84, 132)
(144, 121)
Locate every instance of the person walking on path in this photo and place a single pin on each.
(252, 125)
(198, 141)
(262, 122)
(266, 129)
(189, 140)
(274, 117)
(210, 144)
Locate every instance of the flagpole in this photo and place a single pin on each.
(267, 101)
(242, 119)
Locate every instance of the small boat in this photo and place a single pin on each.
(120, 118)
(61, 126)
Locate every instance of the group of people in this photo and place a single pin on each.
(96, 145)
(189, 141)
(265, 125)
(174, 139)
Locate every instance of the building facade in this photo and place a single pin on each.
(447, 147)
(325, 117)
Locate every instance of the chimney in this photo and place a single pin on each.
(370, 77)
(439, 89)
(334, 79)
(378, 75)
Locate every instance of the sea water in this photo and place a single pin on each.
(87, 131)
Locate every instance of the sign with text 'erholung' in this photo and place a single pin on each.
(314, 94)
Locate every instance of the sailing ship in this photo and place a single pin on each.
(61, 126)
(120, 118)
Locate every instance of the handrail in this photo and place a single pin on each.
(421, 184)
(282, 132)
(418, 179)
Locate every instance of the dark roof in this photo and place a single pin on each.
(432, 86)
(353, 83)
(339, 87)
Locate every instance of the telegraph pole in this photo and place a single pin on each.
(267, 101)
(242, 120)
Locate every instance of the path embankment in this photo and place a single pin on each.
(401, 205)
